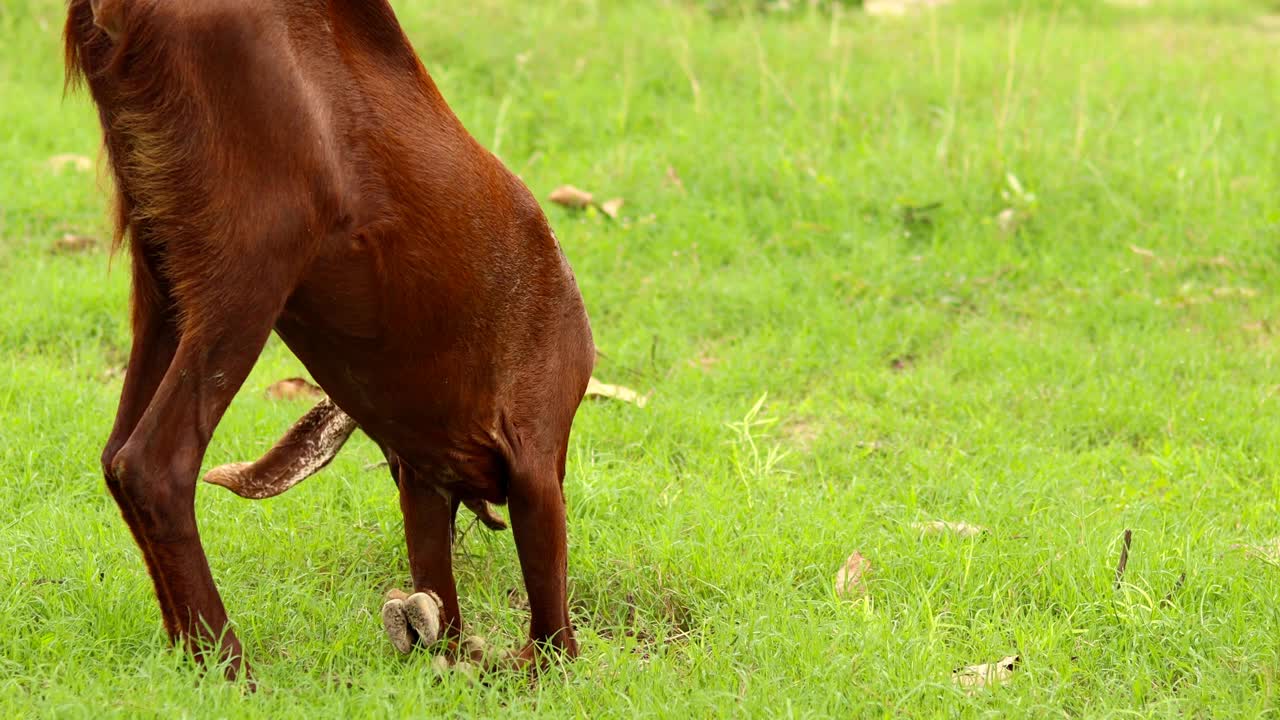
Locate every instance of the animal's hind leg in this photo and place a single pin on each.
(155, 470)
(155, 339)
(536, 499)
(432, 610)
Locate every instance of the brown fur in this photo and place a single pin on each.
(289, 164)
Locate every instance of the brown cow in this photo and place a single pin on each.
(289, 164)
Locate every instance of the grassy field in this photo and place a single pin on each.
(1003, 264)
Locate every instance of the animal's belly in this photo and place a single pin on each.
(436, 413)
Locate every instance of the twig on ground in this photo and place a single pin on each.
(1168, 599)
(1124, 557)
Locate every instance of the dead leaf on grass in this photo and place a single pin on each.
(78, 162)
(705, 362)
(579, 199)
(1008, 221)
(974, 677)
(71, 244)
(940, 527)
(1268, 550)
(570, 196)
(595, 388)
(1221, 261)
(851, 580)
(611, 207)
(674, 179)
(294, 389)
(1230, 291)
(898, 7)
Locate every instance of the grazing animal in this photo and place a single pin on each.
(290, 165)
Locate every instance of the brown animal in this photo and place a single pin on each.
(289, 164)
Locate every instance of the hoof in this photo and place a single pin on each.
(423, 612)
(443, 663)
(473, 648)
(396, 625)
(411, 620)
(532, 659)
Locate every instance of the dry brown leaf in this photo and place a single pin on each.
(1008, 221)
(674, 178)
(617, 392)
(986, 675)
(1221, 261)
(851, 580)
(79, 162)
(898, 7)
(294, 389)
(938, 527)
(71, 243)
(611, 207)
(570, 196)
(1268, 550)
(1229, 291)
(705, 362)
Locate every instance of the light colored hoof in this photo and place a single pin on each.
(411, 619)
(422, 609)
(441, 664)
(473, 647)
(396, 625)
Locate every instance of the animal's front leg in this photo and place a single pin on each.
(538, 522)
(431, 612)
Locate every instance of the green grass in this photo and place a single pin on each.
(1110, 365)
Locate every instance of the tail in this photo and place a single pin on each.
(307, 447)
(304, 450)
